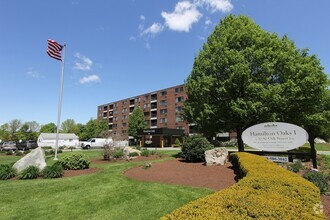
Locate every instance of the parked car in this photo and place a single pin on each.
(10, 145)
(27, 145)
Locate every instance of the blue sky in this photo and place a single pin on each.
(119, 49)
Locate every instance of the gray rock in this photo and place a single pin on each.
(35, 158)
(216, 156)
(128, 150)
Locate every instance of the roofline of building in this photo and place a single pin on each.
(140, 95)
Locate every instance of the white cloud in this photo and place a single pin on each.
(216, 5)
(208, 21)
(184, 15)
(82, 62)
(90, 79)
(154, 29)
(132, 38)
(33, 73)
(142, 18)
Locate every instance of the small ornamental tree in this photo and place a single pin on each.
(136, 122)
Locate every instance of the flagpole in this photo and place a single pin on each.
(60, 104)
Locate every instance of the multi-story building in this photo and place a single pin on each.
(162, 109)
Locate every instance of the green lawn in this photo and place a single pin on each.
(103, 195)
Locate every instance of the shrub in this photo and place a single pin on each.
(177, 142)
(54, 171)
(295, 167)
(9, 152)
(7, 172)
(75, 161)
(31, 172)
(145, 153)
(18, 153)
(319, 179)
(267, 191)
(118, 153)
(194, 147)
(133, 154)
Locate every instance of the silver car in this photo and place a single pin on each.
(10, 145)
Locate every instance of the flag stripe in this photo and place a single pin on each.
(54, 49)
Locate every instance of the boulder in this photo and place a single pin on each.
(216, 156)
(319, 141)
(128, 150)
(35, 158)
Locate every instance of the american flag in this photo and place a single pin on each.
(54, 49)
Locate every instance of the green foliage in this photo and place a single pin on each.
(7, 172)
(18, 153)
(31, 172)
(136, 122)
(267, 191)
(119, 153)
(133, 154)
(194, 147)
(145, 153)
(319, 179)
(295, 167)
(245, 75)
(69, 126)
(48, 128)
(53, 171)
(10, 152)
(75, 161)
(177, 142)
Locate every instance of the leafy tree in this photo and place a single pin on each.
(14, 125)
(33, 126)
(81, 132)
(69, 126)
(245, 75)
(91, 128)
(102, 128)
(48, 128)
(136, 122)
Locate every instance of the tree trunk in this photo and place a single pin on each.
(239, 139)
(311, 143)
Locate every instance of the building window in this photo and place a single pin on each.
(178, 109)
(146, 97)
(179, 89)
(124, 124)
(153, 97)
(180, 127)
(115, 112)
(105, 108)
(163, 102)
(163, 120)
(137, 99)
(124, 117)
(124, 102)
(179, 118)
(115, 119)
(154, 105)
(146, 105)
(163, 111)
(179, 99)
(124, 110)
(163, 93)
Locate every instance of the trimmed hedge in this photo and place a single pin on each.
(267, 191)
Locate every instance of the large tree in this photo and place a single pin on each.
(245, 75)
(48, 128)
(136, 122)
(69, 126)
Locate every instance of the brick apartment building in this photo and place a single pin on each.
(162, 110)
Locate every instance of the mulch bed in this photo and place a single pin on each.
(179, 172)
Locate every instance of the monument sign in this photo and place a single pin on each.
(275, 136)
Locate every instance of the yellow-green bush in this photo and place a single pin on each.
(267, 191)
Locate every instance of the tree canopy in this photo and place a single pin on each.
(245, 75)
(136, 122)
